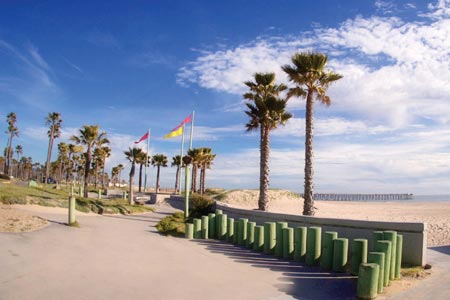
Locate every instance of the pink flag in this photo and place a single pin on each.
(143, 138)
(187, 120)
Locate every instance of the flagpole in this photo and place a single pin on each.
(181, 162)
(187, 174)
(146, 159)
(192, 130)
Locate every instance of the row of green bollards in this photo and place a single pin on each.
(383, 264)
(309, 245)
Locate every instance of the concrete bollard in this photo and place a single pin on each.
(358, 254)
(313, 245)
(71, 190)
(340, 254)
(378, 258)
(197, 228)
(72, 202)
(221, 220)
(326, 257)
(230, 230)
(217, 212)
(391, 235)
(300, 243)
(99, 194)
(205, 227)
(269, 237)
(279, 238)
(398, 259)
(385, 247)
(367, 281)
(235, 235)
(258, 244)
(189, 231)
(212, 226)
(288, 243)
(250, 234)
(376, 236)
(242, 231)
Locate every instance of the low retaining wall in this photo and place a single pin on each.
(414, 234)
(158, 198)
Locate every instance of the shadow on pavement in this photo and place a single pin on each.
(442, 249)
(296, 280)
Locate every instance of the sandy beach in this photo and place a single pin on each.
(435, 214)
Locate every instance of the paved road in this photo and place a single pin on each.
(123, 257)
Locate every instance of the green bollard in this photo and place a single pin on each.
(219, 212)
(358, 254)
(385, 247)
(99, 194)
(212, 226)
(250, 234)
(367, 281)
(197, 228)
(72, 202)
(269, 237)
(221, 220)
(189, 231)
(300, 243)
(326, 257)
(279, 238)
(205, 227)
(313, 242)
(71, 190)
(288, 243)
(391, 235)
(378, 258)
(258, 244)
(242, 231)
(376, 236)
(398, 258)
(230, 230)
(340, 254)
(236, 230)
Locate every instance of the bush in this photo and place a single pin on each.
(200, 206)
(172, 225)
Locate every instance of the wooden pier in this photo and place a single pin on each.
(363, 197)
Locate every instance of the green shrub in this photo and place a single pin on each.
(200, 206)
(172, 225)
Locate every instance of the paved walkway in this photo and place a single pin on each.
(123, 257)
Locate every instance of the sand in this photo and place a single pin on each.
(435, 214)
(15, 220)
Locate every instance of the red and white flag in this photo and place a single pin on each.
(143, 138)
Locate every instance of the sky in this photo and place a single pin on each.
(128, 66)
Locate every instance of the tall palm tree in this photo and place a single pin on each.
(195, 154)
(90, 137)
(206, 159)
(114, 174)
(73, 149)
(53, 120)
(142, 160)
(63, 154)
(158, 161)
(176, 161)
(120, 167)
(312, 81)
(13, 131)
(19, 152)
(106, 152)
(132, 155)
(266, 110)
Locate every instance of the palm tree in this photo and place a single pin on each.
(114, 174)
(142, 160)
(120, 168)
(158, 161)
(312, 81)
(106, 152)
(19, 152)
(132, 155)
(63, 153)
(205, 163)
(195, 154)
(176, 161)
(13, 131)
(266, 111)
(73, 149)
(90, 137)
(54, 121)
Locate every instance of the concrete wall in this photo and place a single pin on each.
(158, 198)
(414, 234)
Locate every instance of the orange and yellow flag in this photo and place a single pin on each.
(174, 133)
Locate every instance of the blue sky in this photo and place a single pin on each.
(129, 66)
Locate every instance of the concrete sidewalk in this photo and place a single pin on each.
(123, 257)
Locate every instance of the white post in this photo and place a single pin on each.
(148, 145)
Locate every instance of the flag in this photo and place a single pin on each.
(187, 120)
(174, 133)
(143, 138)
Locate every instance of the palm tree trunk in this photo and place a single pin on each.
(194, 178)
(8, 168)
(308, 206)
(140, 178)
(49, 155)
(263, 201)
(131, 199)
(157, 179)
(176, 179)
(103, 172)
(86, 172)
(202, 170)
(203, 183)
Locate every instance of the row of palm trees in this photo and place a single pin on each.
(267, 110)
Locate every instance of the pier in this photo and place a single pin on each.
(363, 197)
